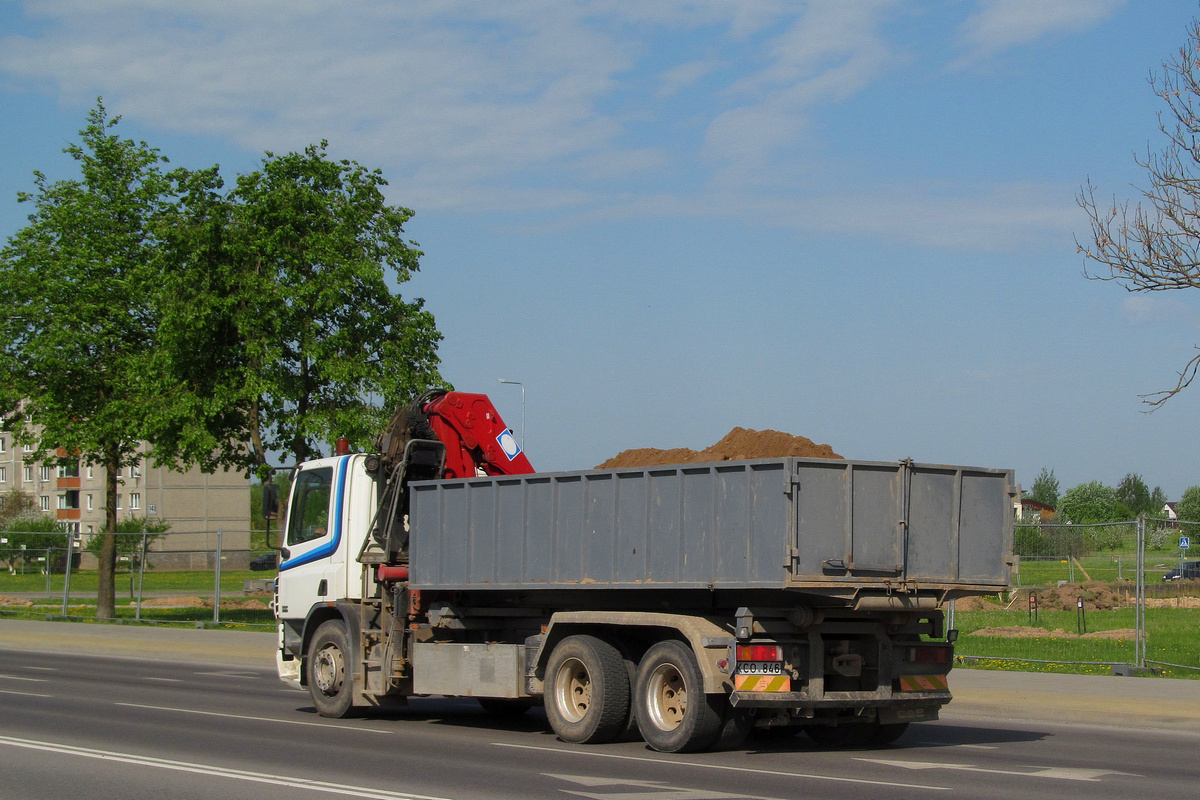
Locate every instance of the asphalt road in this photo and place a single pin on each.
(107, 727)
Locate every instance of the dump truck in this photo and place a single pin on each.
(684, 604)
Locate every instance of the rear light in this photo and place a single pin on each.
(930, 654)
(759, 652)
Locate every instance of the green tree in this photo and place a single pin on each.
(1188, 510)
(15, 505)
(290, 318)
(1158, 499)
(1137, 497)
(31, 534)
(1045, 488)
(77, 313)
(1156, 247)
(134, 537)
(1090, 503)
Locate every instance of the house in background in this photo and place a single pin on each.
(196, 505)
(1034, 511)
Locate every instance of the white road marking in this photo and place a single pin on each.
(942, 745)
(253, 718)
(215, 771)
(659, 790)
(1058, 773)
(25, 694)
(229, 674)
(43, 669)
(162, 680)
(22, 678)
(727, 768)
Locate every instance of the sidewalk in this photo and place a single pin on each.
(1159, 703)
(231, 648)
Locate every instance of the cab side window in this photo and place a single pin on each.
(310, 513)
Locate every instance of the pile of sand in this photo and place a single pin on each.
(1096, 596)
(739, 443)
(14, 601)
(1023, 632)
(1183, 601)
(200, 602)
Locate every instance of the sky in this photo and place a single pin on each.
(854, 221)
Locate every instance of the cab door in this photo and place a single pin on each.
(313, 571)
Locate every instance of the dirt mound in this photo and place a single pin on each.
(1184, 601)
(1096, 595)
(739, 443)
(200, 602)
(14, 601)
(977, 604)
(1023, 632)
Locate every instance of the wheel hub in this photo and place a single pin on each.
(573, 690)
(328, 669)
(667, 697)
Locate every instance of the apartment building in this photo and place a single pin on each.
(195, 504)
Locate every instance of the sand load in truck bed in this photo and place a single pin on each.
(797, 523)
(738, 444)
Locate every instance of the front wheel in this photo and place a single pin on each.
(587, 691)
(674, 714)
(329, 681)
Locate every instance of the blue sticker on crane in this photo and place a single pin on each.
(508, 443)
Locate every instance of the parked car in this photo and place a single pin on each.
(1187, 571)
(265, 562)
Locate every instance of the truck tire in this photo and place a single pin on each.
(329, 678)
(587, 691)
(674, 714)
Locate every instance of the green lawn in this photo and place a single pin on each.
(195, 582)
(1172, 635)
(1108, 566)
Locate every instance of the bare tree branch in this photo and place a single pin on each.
(1154, 246)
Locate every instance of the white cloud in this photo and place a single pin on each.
(537, 105)
(829, 52)
(1001, 24)
(1141, 309)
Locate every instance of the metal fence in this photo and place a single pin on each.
(1091, 596)
(1102, 598)
(155, 581)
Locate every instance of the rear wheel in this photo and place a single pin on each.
(587, 691)
(329, 680)
(674, 714)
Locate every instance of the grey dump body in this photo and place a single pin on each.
(817, 525)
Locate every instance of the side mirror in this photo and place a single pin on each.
(270, 501)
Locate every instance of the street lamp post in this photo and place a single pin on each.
(518, 383)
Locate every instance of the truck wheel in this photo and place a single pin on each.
(673, 712)
(329, 680)
(587, 691)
